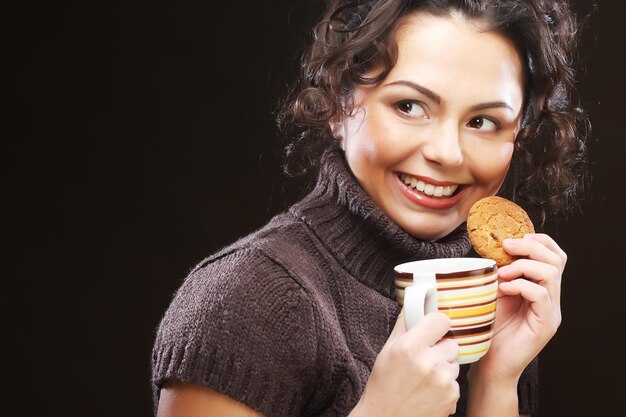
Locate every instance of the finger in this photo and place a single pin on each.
(448, 349)
(429, 330)
(540, 272)
(546, 275)
(455, 369)
(533, 249)
(548, 242)
(445, 376)
(538, 297)
(448, 372)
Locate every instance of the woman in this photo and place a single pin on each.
(412, 111)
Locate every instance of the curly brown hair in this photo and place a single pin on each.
(356, 36)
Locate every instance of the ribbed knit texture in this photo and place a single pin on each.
(290, 319)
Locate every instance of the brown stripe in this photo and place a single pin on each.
(453, 275)
(477, 334)
(408, 276)
(474, 343)
(473, 278)
(410, 279)
(476, 325)
(473, 330)
(483, 271)
(456, 288)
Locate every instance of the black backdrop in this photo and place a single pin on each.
(138, 139)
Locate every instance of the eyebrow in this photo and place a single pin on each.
(428, 93)
(492, 105)
(437, 98)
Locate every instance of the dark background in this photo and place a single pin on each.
(138, 139)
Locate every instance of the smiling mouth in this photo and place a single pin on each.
(431, 190)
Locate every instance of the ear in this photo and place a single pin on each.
(336, 127)
(337, 130)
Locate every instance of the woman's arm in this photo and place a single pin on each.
(497, 398)
(187, 400)
(528, 315)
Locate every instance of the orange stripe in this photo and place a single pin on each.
(468, 297)
(482, 284)
(441, 289)
(471, 312)
(457, 306)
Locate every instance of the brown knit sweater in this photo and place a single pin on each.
(290, 319)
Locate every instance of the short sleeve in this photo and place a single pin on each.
(243, 327)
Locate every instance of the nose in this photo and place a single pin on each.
(442, 145)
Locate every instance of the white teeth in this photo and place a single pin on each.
(428, 189)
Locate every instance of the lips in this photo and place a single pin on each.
(430, 193)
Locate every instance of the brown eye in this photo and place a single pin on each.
(405, 107)
(476, 123)
(482, 124)
(411, 108)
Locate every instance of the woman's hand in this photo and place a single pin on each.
(415, 372)
(528, 310)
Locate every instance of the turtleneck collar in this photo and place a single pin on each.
(356, 231)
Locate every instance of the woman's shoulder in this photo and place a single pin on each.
(239, 275)
(260, 270)
(276, 251)
(240, 315)
(242, 287)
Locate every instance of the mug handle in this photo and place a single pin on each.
(420, 298)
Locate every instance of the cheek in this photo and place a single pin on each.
(372, 141)
(491, 166)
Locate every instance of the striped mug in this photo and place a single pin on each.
(464, 289)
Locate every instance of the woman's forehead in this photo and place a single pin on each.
(454, 55)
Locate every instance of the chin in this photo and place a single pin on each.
(428, 227)
(430, 235)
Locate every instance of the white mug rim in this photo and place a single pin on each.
(444, 265)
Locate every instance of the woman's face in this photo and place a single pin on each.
(437, 134)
